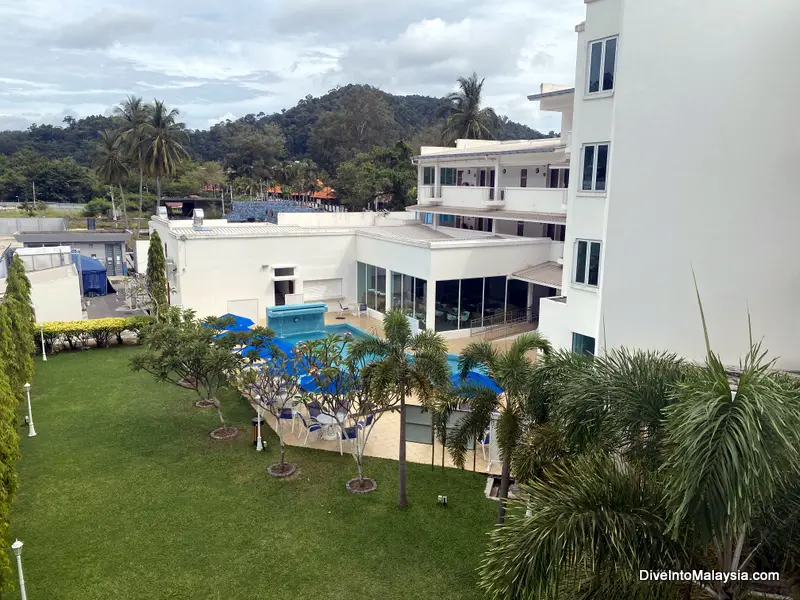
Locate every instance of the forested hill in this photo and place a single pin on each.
(328, 129)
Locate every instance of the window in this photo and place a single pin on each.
(520, 228)
(595, 167)
(427, 218)
(587, 262)
(582, 344)
(459, 177)
(555, 232)
(428, 175)
(523, 178)
(448, 176)
(602, 60)
(284, 271)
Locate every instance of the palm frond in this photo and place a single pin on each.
(477, 356)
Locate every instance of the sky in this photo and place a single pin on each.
(222, 60)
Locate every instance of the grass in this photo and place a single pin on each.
(123, 495)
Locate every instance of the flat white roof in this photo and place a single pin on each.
(508, 215)
(493, 148)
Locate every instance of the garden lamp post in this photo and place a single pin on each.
(259, 442)
(17, 548)
(44, 353)
(31, 430)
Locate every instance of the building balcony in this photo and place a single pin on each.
(425, 196)
(474, 197)
(540, 200)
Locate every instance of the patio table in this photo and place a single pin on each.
(328, 423)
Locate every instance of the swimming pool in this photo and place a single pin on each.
(344, 329)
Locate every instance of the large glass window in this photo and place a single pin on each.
(397, 291)
(447, 315)
(472, 300)
(428, 175)
(420, 299)
(408, 295)
(449, 176)
(380, 290)
(595, 164)
(517, 299)
(587, 262)
(494, 301)
(361, 278)
(602, 60)
(372, 286)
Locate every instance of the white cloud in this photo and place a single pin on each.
(215, 62)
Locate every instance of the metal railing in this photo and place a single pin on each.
(504, 320)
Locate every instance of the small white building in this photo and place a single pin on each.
(464, 258)
(669, 101)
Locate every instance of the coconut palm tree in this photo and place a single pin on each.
(133, 115)
(111, 164)
(669, 467)
(513, 371)
(164, 144)
(402, 364)
(466, 119)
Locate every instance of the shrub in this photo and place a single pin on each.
(79, 333)
(97, 207)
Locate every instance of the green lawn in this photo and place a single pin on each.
(124, 495)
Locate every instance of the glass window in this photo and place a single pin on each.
(372, 286)
(588, 167)
(609, 59)
(447, 315)
(380, 290)
(420, 299)
(397, 291)
(602, 61)
(284, 272)
(580, 263)
(520, 228)
(595, 167)
(471, 300)
(602, 162)
(595, 59)
(494, 301)
(582, 344)
(408, 294)
(587, 262)
(517, 299)
(449, 176)
(361, 278)
(428, 175)
(523, 178)
(427, 218)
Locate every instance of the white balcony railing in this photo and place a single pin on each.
(425, 195)
(480, 198)
(540, 200)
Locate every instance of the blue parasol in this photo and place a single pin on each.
(477, 379)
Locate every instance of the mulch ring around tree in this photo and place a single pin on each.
(225, 433)
(361, 486)
(204, 404)
(283, 472)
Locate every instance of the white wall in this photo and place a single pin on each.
(554, 323)
(690, 75)
(466, 263)
(56, 294)
(353, 219)
(140, 250)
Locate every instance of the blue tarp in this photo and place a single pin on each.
(266, 351)
(238, 324)
(93, 274)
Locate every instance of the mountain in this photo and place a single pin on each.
(328, 129)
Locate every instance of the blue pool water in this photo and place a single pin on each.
(345, 328)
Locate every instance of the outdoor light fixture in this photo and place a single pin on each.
(31, 430)
(17, 548)
(259, 443)
(44, 353)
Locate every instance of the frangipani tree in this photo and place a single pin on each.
(271, 379)
(340, 385)
(187, 352)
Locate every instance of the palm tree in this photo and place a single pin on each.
(513, 371)
(403, 364)
(133, 115)
(164, 140)
(669, 467)
(466, 119)
(111, 164)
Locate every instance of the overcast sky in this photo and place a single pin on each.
(216, 60)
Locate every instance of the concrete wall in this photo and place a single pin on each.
(56, 294)
(354, 219)
(141, 247)
(687, 74)
(14, 225)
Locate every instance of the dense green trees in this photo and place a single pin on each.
(59, 180)
(466, 118)
(157, 277)
(164, 140)
(384, 174)
(17, 301)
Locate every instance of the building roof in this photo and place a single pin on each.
(552, 94)
(72, 236)
(509, 215)
(497, 149)
(548, 273)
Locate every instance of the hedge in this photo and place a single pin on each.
(79, 333)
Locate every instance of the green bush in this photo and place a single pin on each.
(78, 333)
(97, 207)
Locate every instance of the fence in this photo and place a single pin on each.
(500, 324)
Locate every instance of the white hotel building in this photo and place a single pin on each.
(595, 233)
(671, 100)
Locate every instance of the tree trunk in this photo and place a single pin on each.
(433, 442)
(402, 500)
(158, 192)
(124, 207)
(219, 412)
(505, 481)
(141, 201)
(113, 205)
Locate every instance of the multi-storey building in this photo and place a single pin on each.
(670, 102)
